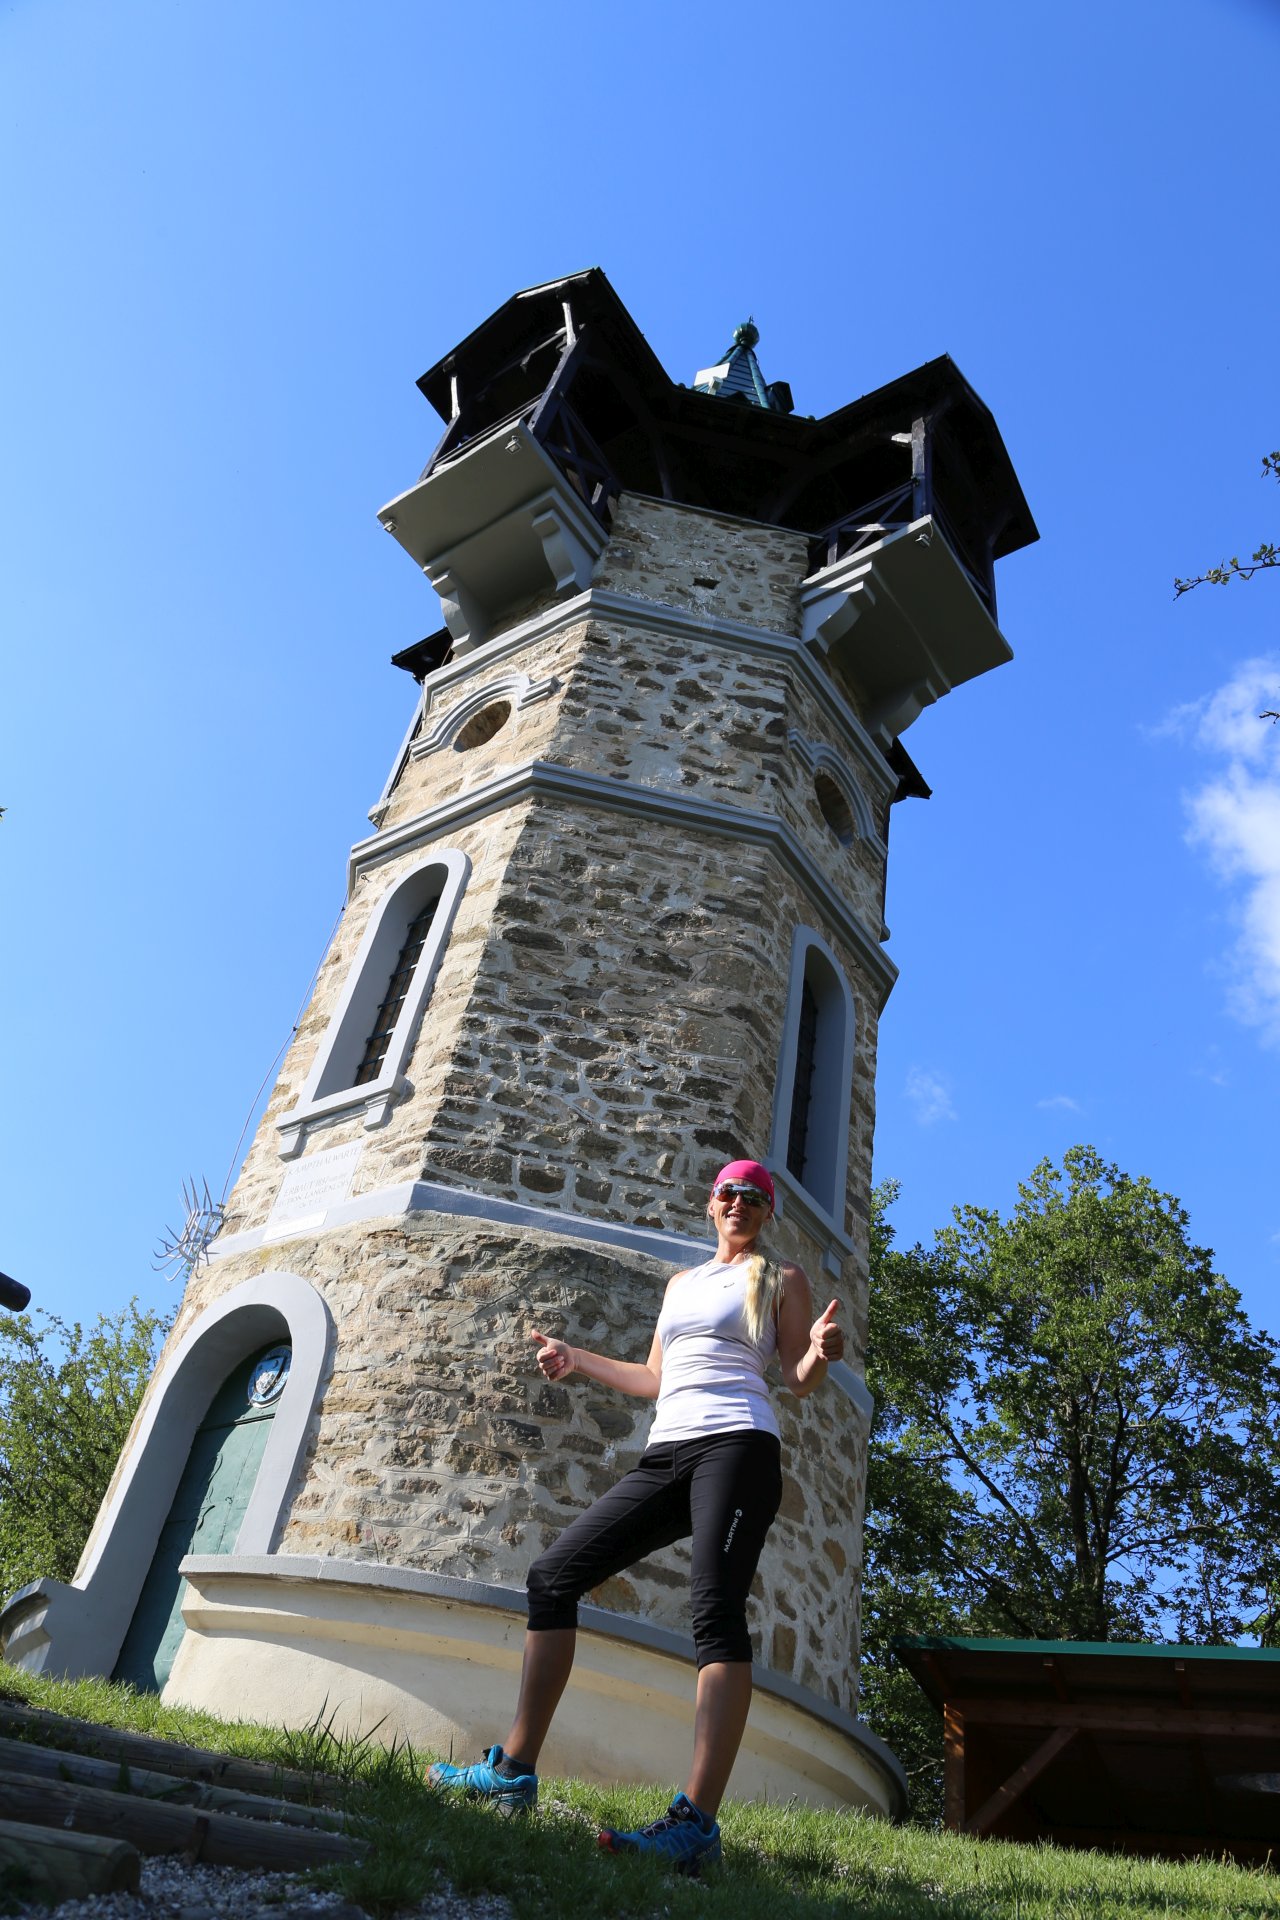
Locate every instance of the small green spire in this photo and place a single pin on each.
(737, 375)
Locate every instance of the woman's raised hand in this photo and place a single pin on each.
(554, 1357)
(825, 1337)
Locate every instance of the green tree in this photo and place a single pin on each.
(67, 1399)
(1075, 1434)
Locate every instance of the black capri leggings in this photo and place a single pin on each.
(724, 1489)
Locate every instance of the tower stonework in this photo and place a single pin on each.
(619, 919)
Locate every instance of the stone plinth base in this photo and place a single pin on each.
(436, 1661)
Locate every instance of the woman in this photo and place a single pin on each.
(712, 1470)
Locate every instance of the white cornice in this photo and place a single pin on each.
(547, 779)
(659, 616)
(429, 1196)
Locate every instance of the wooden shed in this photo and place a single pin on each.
(1132, 1748)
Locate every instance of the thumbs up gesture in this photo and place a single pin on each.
(555, 1359)
(825, 1338)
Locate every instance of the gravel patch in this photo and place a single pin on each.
(173, 1890)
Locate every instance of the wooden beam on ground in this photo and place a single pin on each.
(220, 1839)
(1019, 1780)
(115, 1776)
(68, 1866)
(166, 1756)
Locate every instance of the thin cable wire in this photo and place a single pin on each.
(302, 1007)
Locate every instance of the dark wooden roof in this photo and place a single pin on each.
(571, 348)
(1132, 1747)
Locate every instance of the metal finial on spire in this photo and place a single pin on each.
(737, 376)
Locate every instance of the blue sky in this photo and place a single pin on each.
(234, 235)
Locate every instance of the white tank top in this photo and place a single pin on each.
(712, 1371)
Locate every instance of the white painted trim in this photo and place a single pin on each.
(489, 525)
(86, 1622)
(546, 778)
(935, 647)
(672, 1249)
(820, 758)
(388, 1580)
(834, 599)
(659, 616)
(517, 688)
(832, 1093)
(795, 1201)
(349, 1025)
(378, 810)
(428, 1196)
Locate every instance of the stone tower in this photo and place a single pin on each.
(619, 919)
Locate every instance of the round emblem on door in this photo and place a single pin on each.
(266, 1382)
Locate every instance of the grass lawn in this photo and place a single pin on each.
(780, 1862)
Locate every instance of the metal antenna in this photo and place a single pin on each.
(180, 1254)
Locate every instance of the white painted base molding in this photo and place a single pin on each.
(436, 1661)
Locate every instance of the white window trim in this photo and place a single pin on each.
(375, 1098)
(820, 758)
(825, 1210)
(377, 812)
(516, 688)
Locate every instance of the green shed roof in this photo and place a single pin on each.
(1114, 1649)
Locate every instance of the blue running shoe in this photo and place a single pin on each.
(511, 1793)
(683, 1838)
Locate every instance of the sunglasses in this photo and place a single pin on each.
(740, 1190)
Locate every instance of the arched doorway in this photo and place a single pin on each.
(207, 1509)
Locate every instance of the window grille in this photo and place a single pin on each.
(375, 1049)
(802, 1091)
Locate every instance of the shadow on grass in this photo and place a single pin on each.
(780, 1863)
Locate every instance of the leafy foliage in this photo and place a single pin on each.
(67, 1399)
(1264, 557)
(1076, 1436)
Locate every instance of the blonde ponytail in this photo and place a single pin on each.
(764, 1294)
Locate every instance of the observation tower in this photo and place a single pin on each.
(619, 919)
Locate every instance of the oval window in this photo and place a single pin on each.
(482, 726)
(268, 1375)
(836, 810)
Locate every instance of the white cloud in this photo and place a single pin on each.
(1213, 1068)
(930, 1095)
(1235, 817)
(1059, 1103)
(1230, 722)
(1227, 722)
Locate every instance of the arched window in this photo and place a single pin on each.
(841, 801)
(360, 1062)
(388, 1014)
(802, 1084)
(810, 1140)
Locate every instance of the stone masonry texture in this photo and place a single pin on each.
(601, 1035)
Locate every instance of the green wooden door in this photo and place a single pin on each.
(206, 1513)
